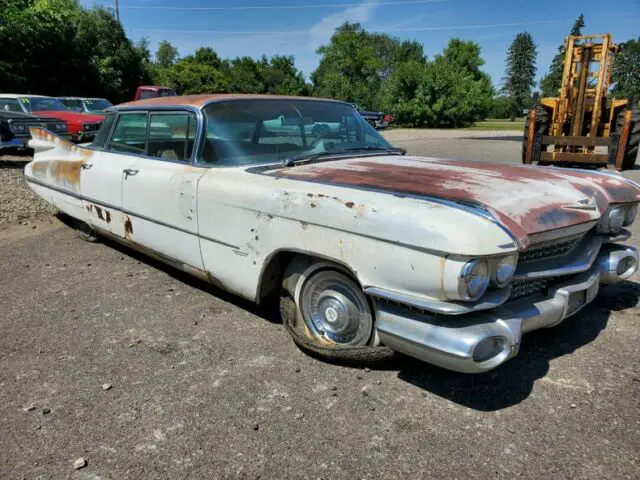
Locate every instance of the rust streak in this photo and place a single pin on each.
(65, 171)
(128, 227)
(99, 213)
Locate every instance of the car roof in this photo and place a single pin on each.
(20, 95)
(80, 98)
(199, 101)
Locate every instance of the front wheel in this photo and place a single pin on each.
(328, 315)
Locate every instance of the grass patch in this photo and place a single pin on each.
(498, 124)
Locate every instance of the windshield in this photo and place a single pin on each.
(246, 132)
(35, 104)
(10, 105)
(97, 104)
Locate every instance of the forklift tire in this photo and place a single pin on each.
(542, 127)
(631, 152)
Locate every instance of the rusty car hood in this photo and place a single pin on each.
(526, 200)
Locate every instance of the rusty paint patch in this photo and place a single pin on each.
(39, 169)
(349, 204)
(526, 200)
(107, 216)
(312, 205)
(65, 171)
(99, 213)
(128, 227)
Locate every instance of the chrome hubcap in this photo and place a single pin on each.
(335, 309)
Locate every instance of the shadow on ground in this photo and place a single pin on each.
(503, 387)
(508, 138)
(513, 382)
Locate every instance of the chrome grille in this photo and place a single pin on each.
(522, 288)
(547, 251)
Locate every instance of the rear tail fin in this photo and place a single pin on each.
(44, 141)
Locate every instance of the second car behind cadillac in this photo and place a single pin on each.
(300, 199)
(81, 127)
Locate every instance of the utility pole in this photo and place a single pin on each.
(117, 12)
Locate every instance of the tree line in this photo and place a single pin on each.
(57, 47)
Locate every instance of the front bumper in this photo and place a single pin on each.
(478, 342)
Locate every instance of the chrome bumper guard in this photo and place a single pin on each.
(478, 342)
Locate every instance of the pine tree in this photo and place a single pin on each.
(551, 83)
(520, 72)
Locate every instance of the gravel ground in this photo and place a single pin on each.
(113, 366)
(17, 202)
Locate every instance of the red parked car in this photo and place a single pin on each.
(82, 127)
(152, 91)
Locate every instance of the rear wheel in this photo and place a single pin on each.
(328, 315)
(542, 127)
(631, 152)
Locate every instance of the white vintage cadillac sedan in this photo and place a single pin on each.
(368, 250)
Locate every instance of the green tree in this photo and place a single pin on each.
(626, 71)
(501, 107)
(166, 54)
(355, 64)
(188, 76)
(56, 47)
(450, 91)
(550, 84)
(520, 72)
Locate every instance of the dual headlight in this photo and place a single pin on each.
(18, 128)
(468, 280)
(617, 217)
(60, 127)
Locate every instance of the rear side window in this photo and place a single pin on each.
(130, 134)
(172, 135)
(147, 94)
(103, 134)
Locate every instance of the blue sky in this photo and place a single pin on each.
(298, 27)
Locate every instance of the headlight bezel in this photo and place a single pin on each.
(630, 214)
(617, 212)
(495, 270)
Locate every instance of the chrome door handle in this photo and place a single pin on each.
(130, 172)
(87, 166)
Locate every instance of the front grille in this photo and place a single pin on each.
(522, 288)
(547, 251)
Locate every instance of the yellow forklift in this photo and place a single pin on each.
(566, 130)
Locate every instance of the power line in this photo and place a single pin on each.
(282, 7)
(304, 32)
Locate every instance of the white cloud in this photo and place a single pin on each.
(321, 32)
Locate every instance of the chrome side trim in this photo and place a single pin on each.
(126, 212)
(579, 260)
(492, 299)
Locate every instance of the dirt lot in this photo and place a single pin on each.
(147, 373)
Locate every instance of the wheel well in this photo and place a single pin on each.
(270, 283)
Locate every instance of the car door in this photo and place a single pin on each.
(159, 189)
(102, 174)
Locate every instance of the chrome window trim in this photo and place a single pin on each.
(117, 122)
(116, 110)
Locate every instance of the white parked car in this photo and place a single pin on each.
(369, 250)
